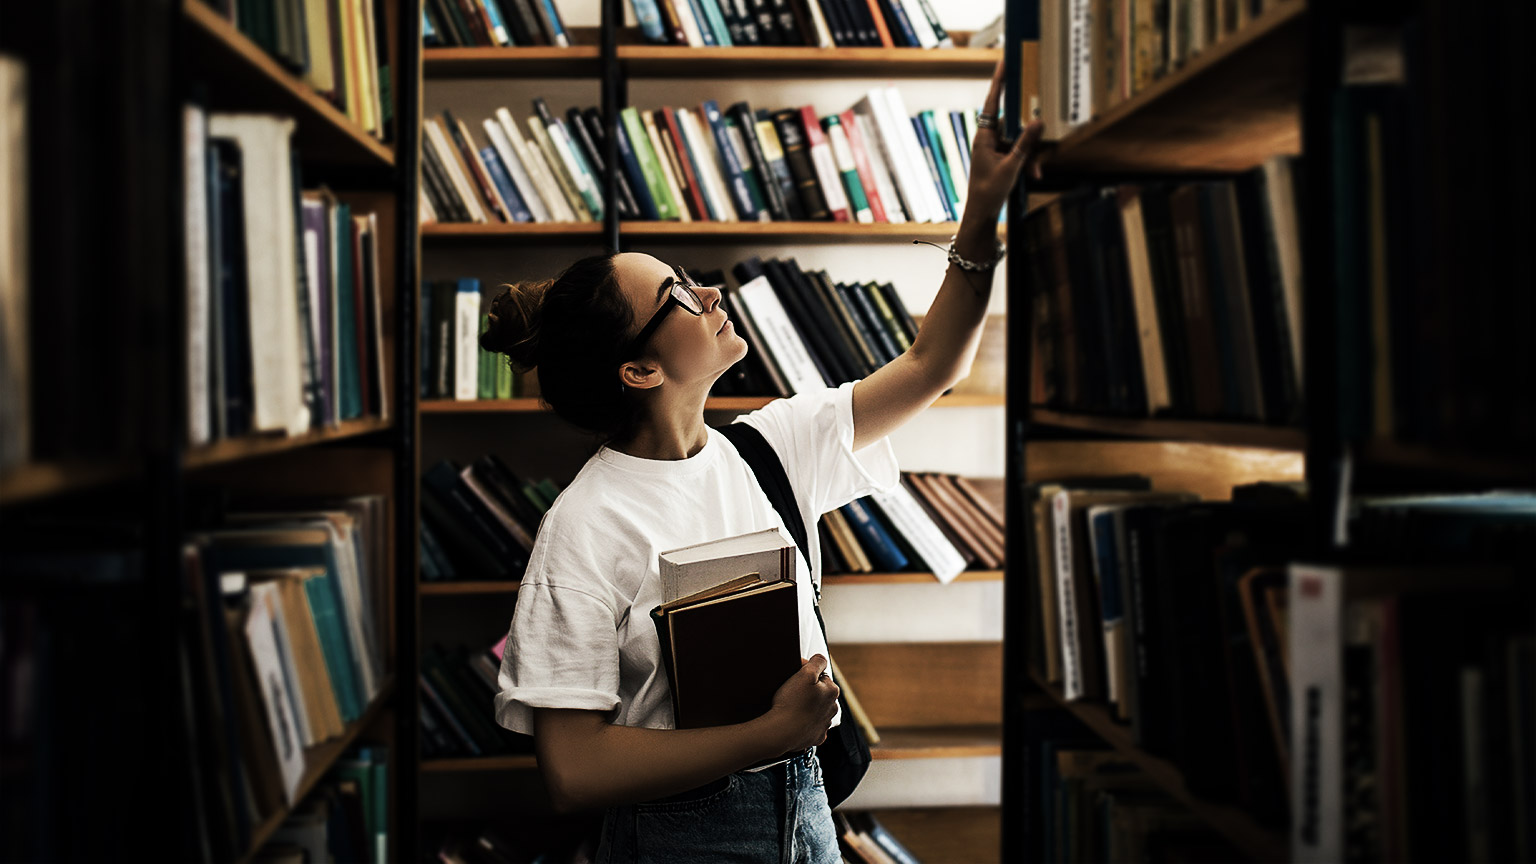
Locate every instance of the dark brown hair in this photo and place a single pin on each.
(571, 330)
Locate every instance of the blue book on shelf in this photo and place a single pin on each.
(636, 176)
(649, 17)
(873, 537)
(908, 37)
(741, 194)
(933, 165)
(1101, 529)
(706, 31)
(493, 9)
(717, 22)
(945, 179)
(503, 181)
(962, 143)
(559, 36)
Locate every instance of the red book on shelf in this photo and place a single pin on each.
(695, 189)
(862, 166)
(821, 161)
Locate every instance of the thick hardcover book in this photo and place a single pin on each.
(846, 326)
(726, 654)
(1199, 324)
(778, 166)
(735, 177)
(824, 165)
(785, 342)
(807, 320)
(873, 537)
(768, 181)
(689, 570)
(797, 155)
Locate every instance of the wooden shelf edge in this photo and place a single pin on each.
(1261, 843)
(682, 231)
(937, 742)
(714, 403)
(318, 759)
(35, 481)
(480, 763)
(247, 447)
(226, 34)
(1206, 431)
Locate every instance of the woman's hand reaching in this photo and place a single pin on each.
(994, 167)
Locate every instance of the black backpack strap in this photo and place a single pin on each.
(769, 470)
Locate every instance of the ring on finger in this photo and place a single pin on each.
(986, 121)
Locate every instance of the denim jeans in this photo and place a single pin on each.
(778, 815)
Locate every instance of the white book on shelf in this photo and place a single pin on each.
(825, 165)
(15, 353)
(533, 161)
(287, 741)
(438, 140)
(842, 158)
(903, 121)
(541, 143)
(199, 285)
(879, 166)
(1080, 105)
(515, 169)
(926, 38)
(424, 208)
(501, 209)
(313, 261)
(874, 107)
(691, 24)
(1315, 622)
(780, 336)
(819, 27)
(586, 184)
(272, 314)
(705, 163)
(919, 529)
(951, 148)
(1066, 599)
(466, 340)
(664, 159)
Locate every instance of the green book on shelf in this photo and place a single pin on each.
(334, 644)
(486, 381)
(504, 388)
(650, 166)
(887, 316)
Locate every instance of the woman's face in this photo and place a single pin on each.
(686, 348)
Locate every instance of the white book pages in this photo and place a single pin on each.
(695, 568)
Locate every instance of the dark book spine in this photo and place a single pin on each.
(789, 26)
(767, 371)
(824, 319)
(1199, 328)
(805, 323)
(878, 544)
(743, 24)
(762, 13)
(1217, 292)
(746, 125)
(902, 34)
(903, 317)
(872, 350)
(848, 330)
(863, 25)
(860, 302)
(798, 156)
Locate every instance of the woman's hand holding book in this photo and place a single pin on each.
(804, 706)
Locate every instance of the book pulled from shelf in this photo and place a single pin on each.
(733, 639)
(1170, 299)
(339, 48)
(493, 24)
(874, 161)
(814, 23)
(479, 520)
(455, 685)
(285, 317)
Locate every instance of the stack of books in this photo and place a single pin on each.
(284, 608)
(479, 521)
(345, 817)
(931, 522)
(457, 687)
(492, 24)
(1091, 61)
(285, 327)
(818, 23)
(339, 48)
(873, 162)
(1170, 299)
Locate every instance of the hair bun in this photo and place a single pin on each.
(514, 323)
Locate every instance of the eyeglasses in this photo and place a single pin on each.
(682, 296)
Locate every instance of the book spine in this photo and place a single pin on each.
(746, 126)
(778, 166)
(735, 139)
(583, 181)
(1317, 720)
(466, 348)
(937, 552)
(1066, 598)
(665, 161)
(716, 18)
(630, 161)
(650, 168)
(591, 129)
(792, 136)
(504, 185)
(542, 143)
(517, 172)
(874, 539)
(935, 170)
(781, 338)
(649, 18)
(686, 162)
(826, 170)
(715, 193)
(740, 192)
(847, 170)
(862, 167)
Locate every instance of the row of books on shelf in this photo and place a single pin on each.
(1201, 626)
(457, 686)
(873, 162)
(1170, 299)
(339, 48)
(492, 24)
(863, 839)
(1095, 805)
(1095, 55)
(479, 520)
(344, 818)
(284, 321)
(453, 365)
(282, 612)
(929, 523)
(817, 23)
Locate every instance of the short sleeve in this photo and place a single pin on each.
(563, 647)
(812, 433)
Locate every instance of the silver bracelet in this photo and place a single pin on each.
(965, 263)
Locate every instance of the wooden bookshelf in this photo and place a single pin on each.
(38, 480)
(714, 403)
(1423, 459)
(241, 76)
(690, 232)
(453, 588)
(1206, 431)
(318, 760)
(251, 446)
(1255, 840)
(582, 60)
(1228, 109)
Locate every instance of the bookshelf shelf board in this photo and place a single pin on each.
(438, 589)
(907, 578)
(714, 403)
(517, 232)
(684, 232)
(937, 742)
(243, 77)
(1260, 843)
(36, 480)
(318, 760)
(481, 763)
(763, 61)
(1209, 432)
(245, 447)
(1419, 458)
(947, 833)
(1228, 109)
(578, 61)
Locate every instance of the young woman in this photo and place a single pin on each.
(627, 346)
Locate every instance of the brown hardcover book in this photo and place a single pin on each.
(953, 521)
(674, 24)
(847, 543)
(1199, 325)
(728, 651)
(1045, 550)
(1066, 327)
(988, 494)
(963, 541)
(990, 538)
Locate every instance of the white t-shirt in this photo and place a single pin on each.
(581, 635)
